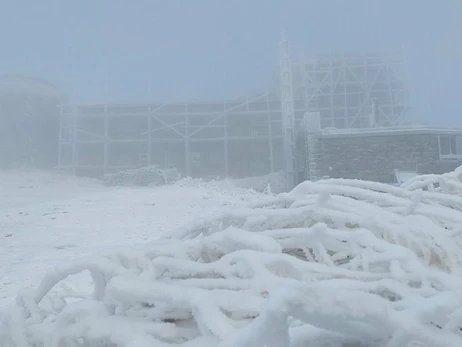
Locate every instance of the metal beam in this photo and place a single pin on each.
(150, 130)
(73, 131)
(106, 141)
(60, 137)
(102, 137)
(220, 115)
(287, 114)
(187, 147)
(270, 137)
(169, 126)
(149, 149)
(225, 145)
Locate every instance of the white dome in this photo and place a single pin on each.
(28, 87)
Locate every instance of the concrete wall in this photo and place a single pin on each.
(376, 156)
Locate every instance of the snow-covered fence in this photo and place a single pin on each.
(332, 263)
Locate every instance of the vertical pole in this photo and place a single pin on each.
(187, 149)
(332, 91)
(74, 120)
(225, 142)
(303, 64)
(366, 77)
(345, 99)
(313, 134)
(287, 112)
(406, 94)
(106, 140)
(373, 115)
(149, 161)
(270, 136)
(60, 137)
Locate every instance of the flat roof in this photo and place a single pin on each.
(390, 131)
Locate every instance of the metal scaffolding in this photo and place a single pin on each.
(230, 138)
(347, 88)
(253, 136)
(313, 146)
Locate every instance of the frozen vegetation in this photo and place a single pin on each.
(333, 263)
(50, 218)
(146, 176)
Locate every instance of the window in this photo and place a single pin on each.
(450, 147)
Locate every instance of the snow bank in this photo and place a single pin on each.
(274, 182)
(332, 263)
(271, 184)
(450, 182)
(145, 176)
(16, 186)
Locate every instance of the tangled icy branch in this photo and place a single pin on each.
(332, 263)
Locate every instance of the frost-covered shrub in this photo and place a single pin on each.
(450, 182)
(146, 176)
(274, 182)
(333, 263)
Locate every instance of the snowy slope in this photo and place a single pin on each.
(334, 263)
(49, 219)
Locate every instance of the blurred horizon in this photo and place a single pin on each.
(124, 52)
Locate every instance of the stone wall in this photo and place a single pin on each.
(376, 156)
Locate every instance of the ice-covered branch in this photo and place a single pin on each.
(334, 262)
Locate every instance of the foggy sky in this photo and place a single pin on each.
(138, 50)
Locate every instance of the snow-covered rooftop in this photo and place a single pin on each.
(401, 130)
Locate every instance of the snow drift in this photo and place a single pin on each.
(450, 182)
(145, 176)
(270, 183)
(332, 263)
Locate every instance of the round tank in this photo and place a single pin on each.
(29, 122)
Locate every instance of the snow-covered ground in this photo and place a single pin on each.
(47, 219)
(334, 263)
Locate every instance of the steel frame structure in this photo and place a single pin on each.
(264, 133)
(90, 133)
(347, 88)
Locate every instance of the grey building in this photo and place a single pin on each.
(381, 154)
(358, 103)
(238, 137)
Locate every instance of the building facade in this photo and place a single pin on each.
(379, 154)
(201, 139)
(233, 138)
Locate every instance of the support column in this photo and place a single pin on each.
(225, 145)
(149, 161)
(60, 137)
(313, 143)
(287, 113)
(106, 140)
(270, 136)
(187, 149)
(74, 140)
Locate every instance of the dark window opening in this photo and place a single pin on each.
(450, 145)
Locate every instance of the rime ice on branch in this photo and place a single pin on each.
(332, 263)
